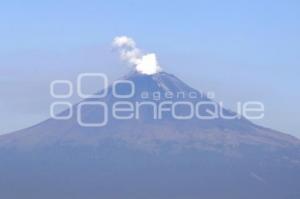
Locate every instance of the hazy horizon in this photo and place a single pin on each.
(239, 50)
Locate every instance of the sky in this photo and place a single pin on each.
(240, 50)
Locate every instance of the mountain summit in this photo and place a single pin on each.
(147, 93)
(149, 153)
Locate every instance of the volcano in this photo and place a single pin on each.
(143, 156)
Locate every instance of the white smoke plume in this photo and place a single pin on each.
(143, 63)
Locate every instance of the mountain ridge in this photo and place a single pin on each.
(226, 131)
(148, 158)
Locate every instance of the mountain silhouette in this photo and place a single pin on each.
(144, 156)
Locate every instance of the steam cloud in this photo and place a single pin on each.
(143, 63)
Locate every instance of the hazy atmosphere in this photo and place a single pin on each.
(240, 50)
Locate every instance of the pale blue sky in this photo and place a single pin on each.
(242, 50)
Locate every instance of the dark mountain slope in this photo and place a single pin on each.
(149, 158)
